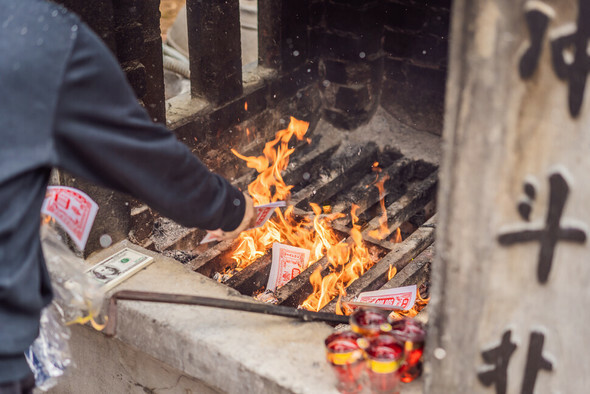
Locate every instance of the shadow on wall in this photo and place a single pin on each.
(175, 49)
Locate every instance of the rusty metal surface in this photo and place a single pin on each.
(268, 309)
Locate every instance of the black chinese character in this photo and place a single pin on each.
(534, 363)
(537, 20)
(552, 233)
(499, 357)
(571, 60)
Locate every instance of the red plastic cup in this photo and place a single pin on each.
(369, 322)
(384, 358)
(411, 333)
(347, 361)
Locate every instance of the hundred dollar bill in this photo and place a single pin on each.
(287, 262)
(118, 267)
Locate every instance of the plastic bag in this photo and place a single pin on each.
(49, 355)
(77, 295)
(76, 300)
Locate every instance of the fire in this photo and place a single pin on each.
(347, 262)
(313, 234)
(392, 271)
(397, 238)
(246, 105)
(383, 229)
(418, 306)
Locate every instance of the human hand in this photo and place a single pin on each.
(247, 222)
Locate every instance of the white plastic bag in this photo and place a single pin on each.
(49, 355)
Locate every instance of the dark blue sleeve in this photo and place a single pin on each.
(104, 135)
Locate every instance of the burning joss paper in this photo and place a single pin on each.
(398, 298)
(73, 209)
(287, 262)
(264, 212)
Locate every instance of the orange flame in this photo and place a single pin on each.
(383, 229)
(246, 105)
(418, 306)
(315, 235)
(397, 238)
(392, 271)
(347, 262)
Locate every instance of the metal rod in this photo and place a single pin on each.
(268, 309)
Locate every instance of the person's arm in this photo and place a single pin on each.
(104, 135)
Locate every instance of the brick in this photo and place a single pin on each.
(353, 99)
(439, 3)
(316, 13)
(348, 121)
(404, 17)
(399, 44)
(430, 50)
(438, 24)
(357, 4)
(333, 71)
(395, 69)
(345, 18)
(360, 47)
(426, 79)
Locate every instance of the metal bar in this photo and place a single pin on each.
(341, 172)
(282, 33)
(215, 53)
(268, 309)
(401, 210)
(253, 277)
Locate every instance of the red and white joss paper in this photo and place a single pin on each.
(287, 262)
(73, 209)
(398, 298)
(262, 212)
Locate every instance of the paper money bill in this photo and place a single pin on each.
(287, 262)
(118, 267)
(73, 209)
(262, 212)
(397, 298)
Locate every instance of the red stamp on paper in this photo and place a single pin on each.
(287, 262)
(73, 209)
(397, 298)
(264, 212)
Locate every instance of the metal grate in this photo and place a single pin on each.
(338, 176)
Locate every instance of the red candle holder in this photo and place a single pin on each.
(411, 333)
(369, 322)
(347, 361)
(385, 357)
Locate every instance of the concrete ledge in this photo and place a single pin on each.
(166, 348)
(230, 351)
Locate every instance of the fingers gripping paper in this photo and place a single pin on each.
(262, 212)
(287, 262)
(73, 209)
